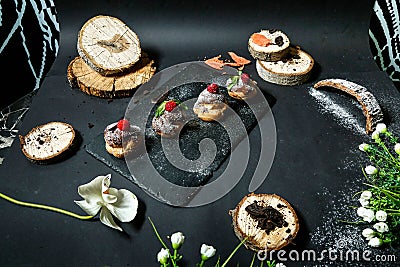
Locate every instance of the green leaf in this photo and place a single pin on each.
(234, 81)
(160, 110)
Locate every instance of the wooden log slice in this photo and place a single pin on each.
(81, 76)
(267, 221)
(370, 106)
(108, 45)
(48, 142)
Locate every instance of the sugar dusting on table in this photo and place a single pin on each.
(342, 116)
(333, 234)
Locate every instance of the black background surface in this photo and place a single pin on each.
(310, 148)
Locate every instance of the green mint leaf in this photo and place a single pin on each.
(160, 110)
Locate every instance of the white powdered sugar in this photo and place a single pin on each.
(342, 116)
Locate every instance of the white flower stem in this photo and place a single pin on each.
(45, 207)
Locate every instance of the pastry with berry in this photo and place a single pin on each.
(122, 138)
(210, 104)
(169, 118)
(241, 87)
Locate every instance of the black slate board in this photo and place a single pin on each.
(225, 137)
(190, 137)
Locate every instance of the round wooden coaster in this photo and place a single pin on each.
(108, 45)
(267, 221)
(47, 142)
(81, 75)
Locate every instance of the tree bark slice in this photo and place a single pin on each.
(108, 45)
(47, 142)
(82, 76)
(258, 238)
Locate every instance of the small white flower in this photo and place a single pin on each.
(366, 214)
(177, 240)
(361, 211)
(375, 135)
(397, 148)
(368, 233)
(280, 264)
(163, 256)
(381, 215)
(366, 195)
(207, 251)
(371, 170)
(375, 242)
(381, 128)
(363, 147)
(363, 202)
(381, 227)
(99, 196)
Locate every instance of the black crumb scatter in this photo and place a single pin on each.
(279, 41)
(280, 206)
(288, 231)
(272, 31)
(267, 218)
(90, 125)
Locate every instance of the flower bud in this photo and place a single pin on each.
(364, 202)
(381, 215)
(375, 135)
(207, 251)
(163, 256)
(177, 240)
(367, 214)
(397, 148)
(366, 195)
(363, 147)
(381, 128)
(368, 233)
(381, 227)
(371, 170)
(375, 242)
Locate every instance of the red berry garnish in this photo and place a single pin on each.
(245, 77)
(170, 105)
(123, 125)
(212, 88)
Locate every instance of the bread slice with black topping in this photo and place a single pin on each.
(293, 69)
(268, 45)
(267, 222)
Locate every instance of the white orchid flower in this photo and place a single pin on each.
(99, 196)
(381, 215)
(368, 233)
